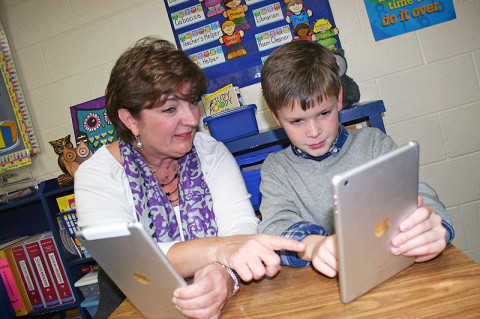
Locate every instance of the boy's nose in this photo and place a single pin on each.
(313, 130)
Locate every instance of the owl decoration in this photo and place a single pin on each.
(73, 157)
(58, 147)
(69, 158)
(92, 125)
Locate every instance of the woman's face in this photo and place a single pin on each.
(167, 131)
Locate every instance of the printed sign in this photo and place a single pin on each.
(273, 38)
(268, 14)
(230, 39)
(390, 18)
(200, 36)
(187, 16)
(172, 3)
(209, 57)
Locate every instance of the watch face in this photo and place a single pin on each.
(342, 63)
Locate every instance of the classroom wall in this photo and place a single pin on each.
(429, 80)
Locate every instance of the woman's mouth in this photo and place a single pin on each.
(184, 136)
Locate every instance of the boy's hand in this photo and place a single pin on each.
(322, 252)
(421, 234)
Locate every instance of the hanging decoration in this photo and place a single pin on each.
(18, 142)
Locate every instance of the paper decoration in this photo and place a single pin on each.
(18, 142)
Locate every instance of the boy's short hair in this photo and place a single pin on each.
(303, 72)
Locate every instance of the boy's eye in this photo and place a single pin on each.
(295, 122)
(325, 113)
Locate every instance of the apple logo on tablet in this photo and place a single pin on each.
(381, 227)
(141, 278)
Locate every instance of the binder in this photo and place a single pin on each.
(56, 269)
(42, 275)
(5, 305)
(13, 283)
(19, 256)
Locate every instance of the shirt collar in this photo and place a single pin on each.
(334, 149)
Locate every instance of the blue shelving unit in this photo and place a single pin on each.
(36, 214)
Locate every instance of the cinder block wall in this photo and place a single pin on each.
(429, 80)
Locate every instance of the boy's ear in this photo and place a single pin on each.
(276, 119)
(340, 99)
(128, 120)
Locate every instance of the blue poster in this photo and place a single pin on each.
(389, 18)
(230, 39)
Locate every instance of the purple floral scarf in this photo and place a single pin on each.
(153, 208)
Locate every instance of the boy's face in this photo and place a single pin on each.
(314, 130)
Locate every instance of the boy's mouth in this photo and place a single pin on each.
(317, 145)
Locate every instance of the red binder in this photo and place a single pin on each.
(26, 273)
(40, 269)
(56, 269)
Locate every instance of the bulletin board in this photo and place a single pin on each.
(230, 39)
(18, 142)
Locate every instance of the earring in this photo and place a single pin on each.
(139, 143)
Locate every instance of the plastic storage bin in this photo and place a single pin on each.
(234, 124)
(91, 304)
(88, 285)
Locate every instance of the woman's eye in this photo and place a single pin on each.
(169, 110)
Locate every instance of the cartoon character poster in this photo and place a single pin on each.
(92, 125)
(18, 142)
(230, 39)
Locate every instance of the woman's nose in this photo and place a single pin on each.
(190, 116)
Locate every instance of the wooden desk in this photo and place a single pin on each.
(448, 286)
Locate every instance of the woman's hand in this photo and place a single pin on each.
(207, 295)
(254, 256)
(421, 234)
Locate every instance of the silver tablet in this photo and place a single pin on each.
(137, 265)
(369, 203)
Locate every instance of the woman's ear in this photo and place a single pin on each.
(128, 120)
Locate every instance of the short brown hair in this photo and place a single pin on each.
(299, 71)
(147, 74)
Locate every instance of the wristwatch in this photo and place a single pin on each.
(236, 286)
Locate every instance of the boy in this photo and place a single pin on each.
(302, 88)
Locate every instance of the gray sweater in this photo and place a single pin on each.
(296, 190)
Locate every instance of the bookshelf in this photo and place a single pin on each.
(36, 214)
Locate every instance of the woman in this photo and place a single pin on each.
(184, 187)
